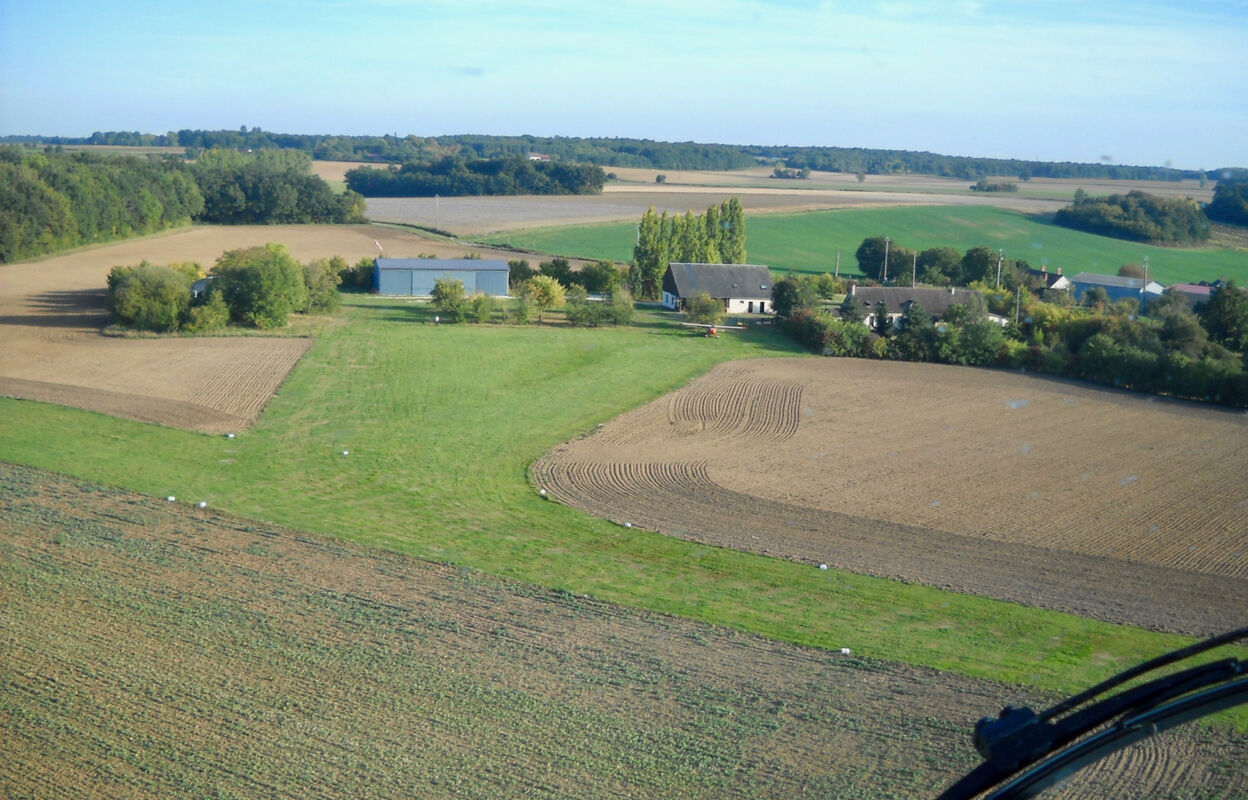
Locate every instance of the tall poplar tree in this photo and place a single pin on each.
(732, 220)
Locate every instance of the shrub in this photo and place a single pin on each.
(359, 277)
(213, 314)
(262, 285)
(148, 297)
(481, 307)
(322, 278)
(449, 298)
(704, 309)
(620, 304)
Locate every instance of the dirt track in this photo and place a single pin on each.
(1046, 493)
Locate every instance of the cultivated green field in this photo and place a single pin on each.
(808, 242)
(440, 423)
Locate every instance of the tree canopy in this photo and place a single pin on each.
(453, 176)
(1137, 216)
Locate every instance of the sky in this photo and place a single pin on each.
(1147, 82)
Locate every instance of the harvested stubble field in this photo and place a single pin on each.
(196, 654)
(1052, 494)
(52, 311)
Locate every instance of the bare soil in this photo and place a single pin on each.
(52, 312)
(1115, 506)
(153, 649)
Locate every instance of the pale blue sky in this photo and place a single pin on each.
(1142, 82)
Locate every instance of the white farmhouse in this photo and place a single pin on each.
(742, 288)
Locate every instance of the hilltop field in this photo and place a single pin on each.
(376, 600)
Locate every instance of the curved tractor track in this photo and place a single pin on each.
(830, 461)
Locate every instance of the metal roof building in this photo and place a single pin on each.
(415, 276)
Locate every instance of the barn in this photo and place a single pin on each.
(742, 288)
(415, 276)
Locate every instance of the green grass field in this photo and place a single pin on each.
(808, 242)
(441, 422)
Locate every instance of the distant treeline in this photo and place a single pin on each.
(629, 153)
(1137, 216)
(52, 201)
(1230, 201)
(483, 176)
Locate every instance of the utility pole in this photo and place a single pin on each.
(1000, 258)
(837, 273)
(884, 275)
(437, 213)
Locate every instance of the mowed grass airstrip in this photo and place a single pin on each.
(416, 438)
(808, 242)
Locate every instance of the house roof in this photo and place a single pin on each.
(1050, 278)
(898, 298)
(444, 264)
(1116, 281)
(1192, 288)
(721, 281)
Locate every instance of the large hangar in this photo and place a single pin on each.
(415, 276)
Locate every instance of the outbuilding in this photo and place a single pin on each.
(1117, 287)
(415, 276)
(742, 288)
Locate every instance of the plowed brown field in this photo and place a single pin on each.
(1048, 493)
(52, 311)
(151, 649)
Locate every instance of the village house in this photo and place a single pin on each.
(898, 299)
(742, 288)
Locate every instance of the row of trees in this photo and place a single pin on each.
(52, 201)
(531, 298)
(258, 286)
(1137, 216)
(883, 260)
(632, 153)
(494, 176)
(714, 237)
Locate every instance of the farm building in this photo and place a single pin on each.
(1117, 287)
(416, 276)
(1193, 293)
(743, 288)
(1050, 280)
(898, 299)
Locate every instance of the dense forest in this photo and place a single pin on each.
(1137, 216)
(51, 201)
(616, 152)
(452, 177)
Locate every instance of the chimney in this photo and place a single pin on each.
(852, 287)
(1059, 270)
(1044, 268)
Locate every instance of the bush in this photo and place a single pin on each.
(519, 271)
(704, 309)
(481, 307)
(449, 298)
(148, 297)
(522, 309)
(620, 304)
(359, 277)
(213, 314)
(262, 285)
(322, 278)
